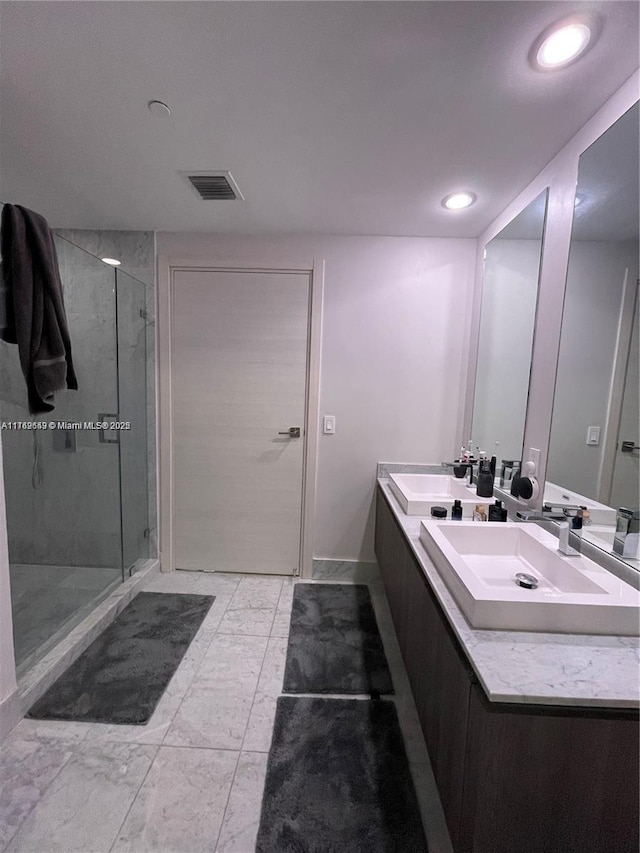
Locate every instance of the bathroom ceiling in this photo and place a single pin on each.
(333, 117)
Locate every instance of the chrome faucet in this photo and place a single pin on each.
(627, 535)
(468, 466)
(570, 518)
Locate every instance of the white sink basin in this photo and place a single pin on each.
(417, 493)
(479, 561)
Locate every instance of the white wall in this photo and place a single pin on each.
(395, 332)
(595, 280)
(508, 314)
(7, 660)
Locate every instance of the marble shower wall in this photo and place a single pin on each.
(136, 250)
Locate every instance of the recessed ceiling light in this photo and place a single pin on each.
(113, 262)
(564, 42)
(458, 201)
(159, 109)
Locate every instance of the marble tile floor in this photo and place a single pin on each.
(45, 599)
(192, 779)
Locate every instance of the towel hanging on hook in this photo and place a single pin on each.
(34, 317)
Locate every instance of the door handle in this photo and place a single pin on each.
(292, 432)
(629, 447)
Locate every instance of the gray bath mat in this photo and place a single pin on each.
(121, 676)
(334, 643)
(338, 780)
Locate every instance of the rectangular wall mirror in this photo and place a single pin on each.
(594, 448)
(507, 320)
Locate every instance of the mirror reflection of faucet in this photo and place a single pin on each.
(508, 469)
(626, 540)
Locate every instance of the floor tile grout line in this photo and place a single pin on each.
(253, 700)
(75, 749)
(278, 601)
(275, 610)
(204, 747)
(386, 630)
(214, 634)
(241, 634)
(226, 805)
(244, 736)
(40, 797)
(237, 589)
(190, 681)
(135, 796)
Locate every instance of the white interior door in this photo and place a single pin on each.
(238, 377)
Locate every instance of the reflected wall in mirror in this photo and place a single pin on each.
(596, 406)
(507, 320)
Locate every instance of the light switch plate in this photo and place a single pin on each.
(329, 424)
(593, 435)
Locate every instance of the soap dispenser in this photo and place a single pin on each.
(484, 488)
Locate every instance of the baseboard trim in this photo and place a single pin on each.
(352, 571)
(10, 713)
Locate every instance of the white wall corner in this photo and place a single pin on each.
(8, 682)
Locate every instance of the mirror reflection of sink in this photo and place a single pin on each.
(417, 493)
(479, 562)
(599, 513)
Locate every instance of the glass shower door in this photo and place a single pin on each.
(132, 408)
(62, 483)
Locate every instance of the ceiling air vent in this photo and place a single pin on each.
(214, 186)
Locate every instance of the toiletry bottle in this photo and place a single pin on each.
(494, 460)
(484, 487)
(456, 511)
(480, 513)
(497, 512)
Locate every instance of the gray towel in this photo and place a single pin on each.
(34, 318)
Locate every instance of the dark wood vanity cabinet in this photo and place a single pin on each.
(512, 778)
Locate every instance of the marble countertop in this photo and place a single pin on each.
(535, 668)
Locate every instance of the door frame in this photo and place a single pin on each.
(626, 318)
(167, 267)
